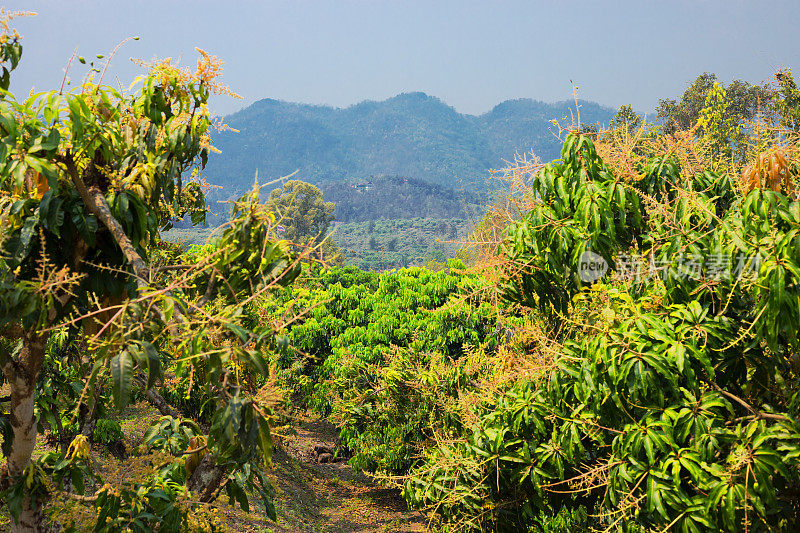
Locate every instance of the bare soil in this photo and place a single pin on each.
(331, 497)
(310, 496)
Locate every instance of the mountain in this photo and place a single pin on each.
(524, 125)
(412, 135)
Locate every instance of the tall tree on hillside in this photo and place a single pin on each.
(626, 118)
(305, 217)
(745, 102)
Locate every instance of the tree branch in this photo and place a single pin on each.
(94, 199)
(212, 283)
(756, 413)
(190, 452)
(158, 401)
(79, 498)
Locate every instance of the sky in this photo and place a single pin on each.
(471, 54)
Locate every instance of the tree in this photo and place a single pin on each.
(746, 101)
(718, 124)
(683, 114)
(87, 180)
(626, 119)
(787, 101)
(672, 405)
(305, 217)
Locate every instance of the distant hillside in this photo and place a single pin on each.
(412, 135)
(524, 125)
(393, 197)
(397, 243)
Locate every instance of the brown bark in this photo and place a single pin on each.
(161, 404)
(94, 199)
(21, 374)
(156, 400)
(90, 420)
(206, 479)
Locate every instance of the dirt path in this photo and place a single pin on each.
(310, 496)
(330, 497)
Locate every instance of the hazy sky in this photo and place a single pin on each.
(471, 54)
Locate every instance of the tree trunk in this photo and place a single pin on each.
(88, 414)
(21, 375)
(206, 478)
(158, 401)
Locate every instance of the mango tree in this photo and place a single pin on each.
(671, 401)
(88, 178)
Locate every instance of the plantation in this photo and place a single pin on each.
(378, 245)
(386, 244)
(614, 349)
(662, 400)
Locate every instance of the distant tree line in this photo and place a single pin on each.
(359, 200)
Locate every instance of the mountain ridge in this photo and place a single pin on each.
(411, 134)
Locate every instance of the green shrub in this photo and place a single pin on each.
(107, 431)
(386, 355)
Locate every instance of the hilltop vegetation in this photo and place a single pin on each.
(412, 135)
(396, 243)
(389, 197)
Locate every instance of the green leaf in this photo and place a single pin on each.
(153, 364)
(76, 475)
(122, 376)
(26, 237)
(265, 442)
(52, 140)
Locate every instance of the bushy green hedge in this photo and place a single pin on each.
(675, 407)
(383, 353)
(666, 402)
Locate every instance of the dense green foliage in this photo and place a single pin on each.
(94, 306)
(304, 218)
(386, 244)
(601, 214)
(675, 405)
(379, 245)
(668, 401)
(787, 103)
(385, 354)
(746, 101)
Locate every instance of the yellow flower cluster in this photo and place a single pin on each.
(209, 68)
(5, 18)
(205, 519)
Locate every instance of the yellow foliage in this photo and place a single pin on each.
(79, 448)
(193, 459)
(770, 170)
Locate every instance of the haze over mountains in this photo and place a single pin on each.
(413, 135)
